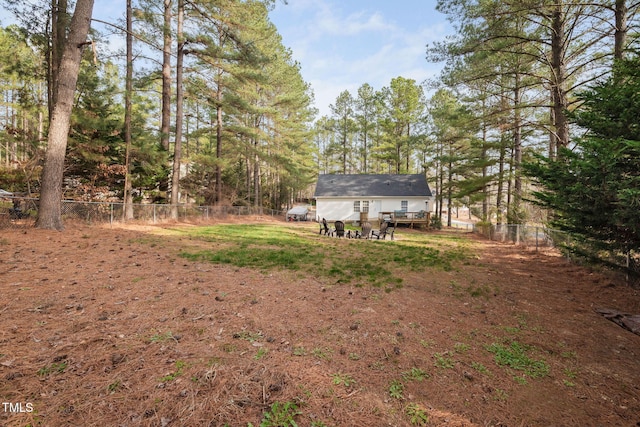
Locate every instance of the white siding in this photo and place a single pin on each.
(334, 209)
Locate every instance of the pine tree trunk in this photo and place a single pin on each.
(621, 28)
(517, 153)
(166, 78)
(59, 23)
(177, 154)
(50, 210)
(219, 148)
(127, 210)
(559, 77)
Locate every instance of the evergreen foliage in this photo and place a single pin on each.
(594, 189)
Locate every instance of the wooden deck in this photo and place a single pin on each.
(421, 219)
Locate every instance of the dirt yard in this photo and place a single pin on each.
(105, 326)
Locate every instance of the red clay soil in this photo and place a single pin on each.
(106, 326)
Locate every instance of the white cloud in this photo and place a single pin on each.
(354, 24)
(344, 45)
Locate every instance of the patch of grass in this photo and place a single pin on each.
(500, 395)
(268, 247)
(343, 379)
(415, 374)
(281, 415)
(427, 343)
(461, 347)
(417, 415)
(56, 367)
(377, 366)
(396, 389)
(515, 357)
(228, 348)
(114, 386)
(444, 361)
(248, 336)
(172, 376)
(480, 368)
(161, 337)
(512, 330)
(262, 352)
(571, 373)
(299, 351)
(321, 353)
(480, 291)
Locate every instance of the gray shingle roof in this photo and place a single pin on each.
(372, 186)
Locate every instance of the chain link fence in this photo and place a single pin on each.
(21, 212)
(530, 236)
(541, 237)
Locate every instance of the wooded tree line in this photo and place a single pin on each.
(538, 103)
(513, 72)
(204, 104)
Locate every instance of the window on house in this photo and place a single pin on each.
(365, 206)
(356, 206)
(404, 205)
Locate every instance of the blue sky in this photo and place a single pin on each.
(342, 44)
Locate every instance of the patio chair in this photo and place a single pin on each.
(324, 227)
(339, 225)
(383, 231)
(366, 230)
(353, 234)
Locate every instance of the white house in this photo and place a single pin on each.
(345, 197)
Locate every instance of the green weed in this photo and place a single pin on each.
(500, 395)
(396, 389)
(515, 357)
(57, 367)
(461, 347)
(281, 415)
(114, 386)
(248, 336)
(417, 414)
(415, 374)
(343, 379)
(161, 337)
(172, 376)
(444, 361)
(427, 343)
(480, 368)
(321, 353)
(299, 351)
(262, 352)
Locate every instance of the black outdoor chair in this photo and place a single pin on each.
(353, 234)
(366, 230)
(384, 230)
(339, 225)
(324, 227)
